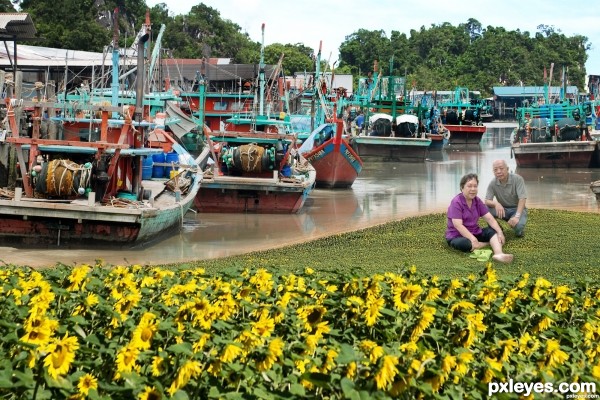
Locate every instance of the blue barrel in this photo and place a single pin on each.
(171, 157)
(158, 171)
(147, 167)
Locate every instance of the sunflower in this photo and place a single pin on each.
(544, 323)
(554, 355)
(462, 366)
(508, 347)
(262, 281)
(451, 289)
(427, 317)
(191, 369)
(311, 315)
(509, 301)
(487, 294)
(596, 371)
(90, 300)
(351, 370)
(264, 326)
(354, 304)
(563, 301)
(493, 365)
(373, 310)
(77, 277)
(230, 353)
(387, 372)
(150, 393)
(86, 383)
(158, 366)
(540, 289)
(433, 294)
(144, 332)
(329, 362)
(448, 363)
(41, 302)
(61, 353)
(200, 343)
(274, 351)
(406, 295)
(39, 330)
(126, 360)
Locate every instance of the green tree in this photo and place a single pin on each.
(362, 48)
(297, 58)
(6, 6)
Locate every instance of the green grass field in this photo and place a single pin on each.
(559, 245)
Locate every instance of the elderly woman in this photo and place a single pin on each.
(463, 231)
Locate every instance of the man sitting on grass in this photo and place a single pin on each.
(506, 196)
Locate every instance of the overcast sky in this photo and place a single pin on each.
(329, 21)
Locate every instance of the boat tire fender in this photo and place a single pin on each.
(146, 194)
(266, 161)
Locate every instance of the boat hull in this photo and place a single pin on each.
(465, 134)
(437, 141)
(575, 154)
(71, 224)
(228, 194)
(391, 148)
(336, 164)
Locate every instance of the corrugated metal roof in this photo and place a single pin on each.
(214, 72)
(16, 26)
(37, 56)
(529, 91)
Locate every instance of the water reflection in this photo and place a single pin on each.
(383, 192)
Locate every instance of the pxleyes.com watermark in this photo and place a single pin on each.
(573, 390)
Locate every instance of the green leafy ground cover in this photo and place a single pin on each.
(559, 245)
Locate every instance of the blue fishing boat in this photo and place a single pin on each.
(553, 133)
(388, 135)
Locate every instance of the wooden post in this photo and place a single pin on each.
(50, 96)
(4, 156)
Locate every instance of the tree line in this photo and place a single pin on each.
(439, 57)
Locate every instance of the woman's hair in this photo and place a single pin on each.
(467, 178)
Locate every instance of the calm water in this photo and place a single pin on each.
(383, 192)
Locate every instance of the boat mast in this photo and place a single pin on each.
(139, 87)
(115, 61)
(392, 89)
(316, 86)
(261, 73)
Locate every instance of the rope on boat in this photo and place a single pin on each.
(62, 175)
(7, 193)
(251, 157)
(125, 203)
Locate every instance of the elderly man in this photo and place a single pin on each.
(506, 196)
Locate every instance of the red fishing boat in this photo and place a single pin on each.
(253, 165)
(461, 117)
(336, 163)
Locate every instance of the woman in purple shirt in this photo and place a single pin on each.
(463, 232)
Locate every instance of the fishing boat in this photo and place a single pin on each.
(393, 131)
(336, 163)
(553, 134)
(432, 125)
(327, 149)
(75, 191)
(461, 116)
(253, 164)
